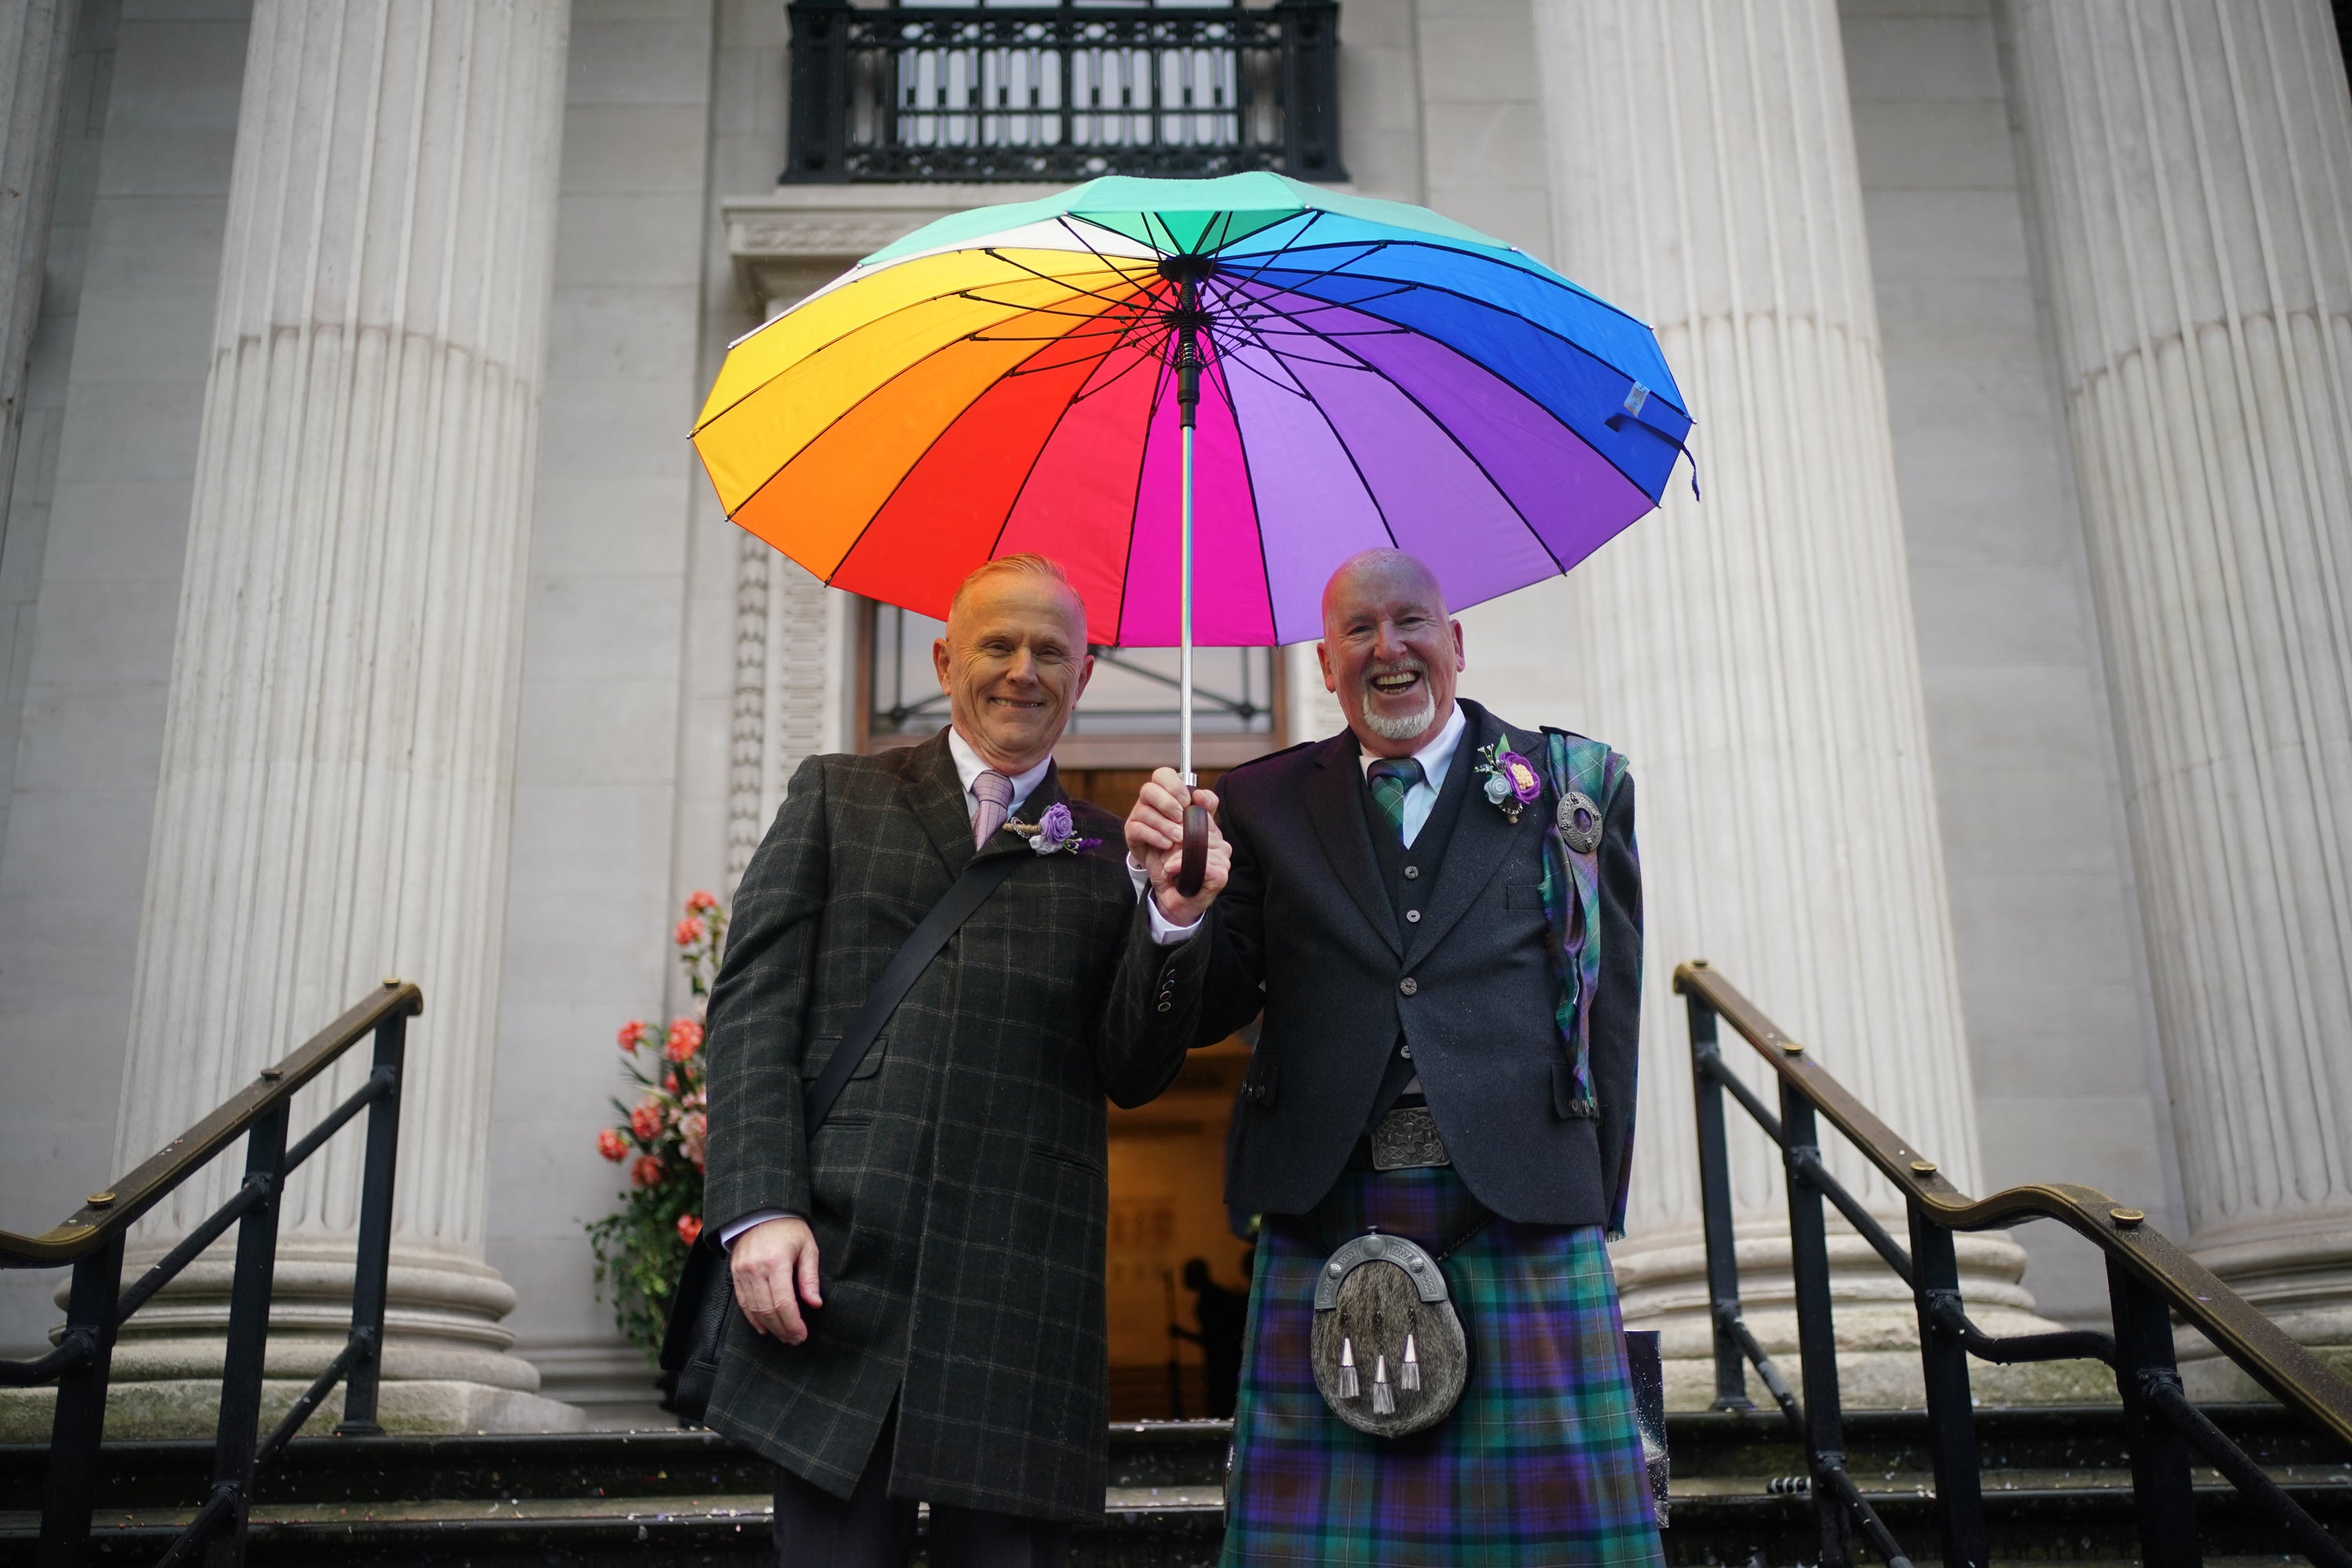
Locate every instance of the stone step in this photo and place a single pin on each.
(2057, 1489)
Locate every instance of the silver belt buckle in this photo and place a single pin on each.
(1407, 1140)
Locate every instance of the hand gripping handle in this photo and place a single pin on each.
(1194, 870)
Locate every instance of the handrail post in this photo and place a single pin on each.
(1809, 1260)
(1715, 1209)
(372, 1267)
(248, 1338)
(79, 1421)
(1951, 1421)
(2165, 1508)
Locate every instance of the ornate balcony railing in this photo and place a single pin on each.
(1063, 92)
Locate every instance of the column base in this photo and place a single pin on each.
(445, 1364)
(2300, 1275)
(1662, 1285)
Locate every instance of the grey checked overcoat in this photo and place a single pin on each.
(957, 1191)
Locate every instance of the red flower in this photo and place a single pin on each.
(700, 903)
(645, 1121)
(646, 1171)
(631, 1032)
(690, 1229)
(690, 931)
(670, 1081)
(612, 1145)
(685, 1039)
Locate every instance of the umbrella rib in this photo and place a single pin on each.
(1135, 508)
(1461, 447)
(1415, 287)
(1264, 573)
(1128, 278)
(1472, 359)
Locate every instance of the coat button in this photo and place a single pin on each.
(1408, 986)
(1412, 873)
(1412, 917)
(1167, 1007)
(1406, 1051)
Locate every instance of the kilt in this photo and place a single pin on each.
(1541, 1463)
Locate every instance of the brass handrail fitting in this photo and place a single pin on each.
(111, 1212)
(2295, 1377)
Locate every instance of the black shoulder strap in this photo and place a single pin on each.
(980, 878)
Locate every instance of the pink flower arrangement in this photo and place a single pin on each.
(661, 1134)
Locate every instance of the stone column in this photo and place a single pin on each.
(1754, 654)
(337, 760)
(35, 40)
(2192, 167)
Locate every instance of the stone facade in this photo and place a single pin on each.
(2002, 669)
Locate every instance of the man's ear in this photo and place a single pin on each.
(1085, 673)
(1460, 663)
(940, 660)
(1323, 657)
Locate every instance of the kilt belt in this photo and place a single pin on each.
(1406, 1139)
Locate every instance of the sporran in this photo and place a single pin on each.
(1390, 1355)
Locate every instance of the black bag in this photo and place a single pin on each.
(703, 1301)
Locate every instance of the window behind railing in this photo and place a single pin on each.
(1063, 92)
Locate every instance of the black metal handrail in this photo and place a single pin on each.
(1063, 92)
(92, 1241)
(2149, 1281)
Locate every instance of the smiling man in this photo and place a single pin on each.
(1439, 914)
(920, 1277)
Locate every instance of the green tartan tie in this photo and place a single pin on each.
(1391, 777)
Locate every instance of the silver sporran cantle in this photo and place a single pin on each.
(1390, 1356)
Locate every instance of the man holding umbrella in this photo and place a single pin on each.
(1440, 915)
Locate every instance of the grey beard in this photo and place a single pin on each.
(1403, 727)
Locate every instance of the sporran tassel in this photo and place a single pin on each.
(1408, 1374)
(1383, 1397)
(1351, 1386)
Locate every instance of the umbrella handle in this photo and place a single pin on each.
(1194, 870)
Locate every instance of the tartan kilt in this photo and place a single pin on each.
(1541, 1463)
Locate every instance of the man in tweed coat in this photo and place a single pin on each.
(925, 1270)
(1440, 915)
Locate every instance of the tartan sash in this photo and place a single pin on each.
(1571, 902)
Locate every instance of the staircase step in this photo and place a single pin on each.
(2057, 1488)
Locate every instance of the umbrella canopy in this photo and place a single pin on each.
(1003, 381)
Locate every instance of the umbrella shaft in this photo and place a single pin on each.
(1184, 670)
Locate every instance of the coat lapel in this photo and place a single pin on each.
(935, 796)
(1335, 806)
(1482, 837)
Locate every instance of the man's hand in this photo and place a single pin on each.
(1155, 839)
(774, 1266)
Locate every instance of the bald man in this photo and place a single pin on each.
(1439, 914)
(920, 1279)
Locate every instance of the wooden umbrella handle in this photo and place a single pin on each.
(1194, 870)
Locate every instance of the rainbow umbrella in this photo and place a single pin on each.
(1315, 373)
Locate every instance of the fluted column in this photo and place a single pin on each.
(36, 39)
(2192, 164)
(1754, 656)
(337, 760)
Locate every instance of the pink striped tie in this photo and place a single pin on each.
(994, 793)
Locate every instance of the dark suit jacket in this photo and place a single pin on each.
(957, 1190)
(1306, 930)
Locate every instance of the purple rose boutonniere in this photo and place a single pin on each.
(1512, 782)
(1056, 832)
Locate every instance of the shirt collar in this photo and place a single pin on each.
(1435, 757)
(969, 766)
